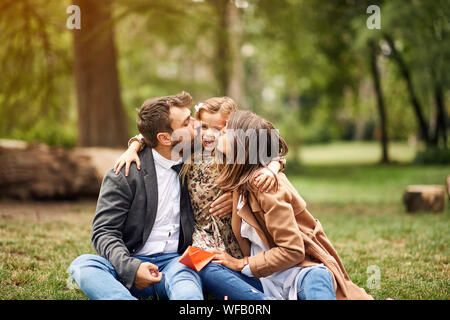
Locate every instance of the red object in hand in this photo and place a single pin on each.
(196, 258)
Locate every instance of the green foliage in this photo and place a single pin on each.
(305, 58)
(433, 155)
(35, 81)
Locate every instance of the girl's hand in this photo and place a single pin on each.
(228, 261)
(222, 206)
(264, 180)
(127, 158)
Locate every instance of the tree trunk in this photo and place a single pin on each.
(235, 87)
(101, 118)
(222, 63)
(424, 198)
(441, 116)
(380, 101)
(412, 94)
(447, 186)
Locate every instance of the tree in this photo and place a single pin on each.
(235, 86)
(374, 50)
(35, 77)
(404, 70)
(101, 118)
(441, 115)
(422, 29)
(228, 67)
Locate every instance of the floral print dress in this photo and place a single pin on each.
(210, 232)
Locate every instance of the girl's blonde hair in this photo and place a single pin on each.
(224, 105)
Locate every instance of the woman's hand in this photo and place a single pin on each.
(264, 180)
(228, 261)
(222, 206)
(127, 158)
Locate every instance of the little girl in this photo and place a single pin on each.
(211, 232)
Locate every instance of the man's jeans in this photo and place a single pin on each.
(97, 278)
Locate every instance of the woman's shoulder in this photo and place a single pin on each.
(285, 192)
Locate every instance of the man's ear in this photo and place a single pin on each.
(164, 138)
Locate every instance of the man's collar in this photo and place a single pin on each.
(164, 162)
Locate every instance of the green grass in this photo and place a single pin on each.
(358, 203)
(38, 241)
(411, 251)
(356, 153)
(369, 184)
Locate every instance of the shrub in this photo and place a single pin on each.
(433, 155)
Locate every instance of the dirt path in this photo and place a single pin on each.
(48, 210)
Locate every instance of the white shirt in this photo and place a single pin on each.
(281, 285)
(165, 233)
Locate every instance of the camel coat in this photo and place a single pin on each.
(294, 236)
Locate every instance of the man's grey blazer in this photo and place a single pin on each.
(125, 214)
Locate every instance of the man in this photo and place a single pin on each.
(144, 221)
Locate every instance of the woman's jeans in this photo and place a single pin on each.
(222, 282)
(314, 283)
(98, 279)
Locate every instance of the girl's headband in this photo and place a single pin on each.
(198, 106)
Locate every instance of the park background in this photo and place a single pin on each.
(365, 113)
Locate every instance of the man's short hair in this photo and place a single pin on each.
(153, 116)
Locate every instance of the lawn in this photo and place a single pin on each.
(357, 201)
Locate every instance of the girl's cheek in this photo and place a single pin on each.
(211, 133)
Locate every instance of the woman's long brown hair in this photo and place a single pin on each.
(239, 174)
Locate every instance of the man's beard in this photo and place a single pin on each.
(183, 148)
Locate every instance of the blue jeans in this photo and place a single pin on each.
(98, 279)
(316, 283)
(221, 281)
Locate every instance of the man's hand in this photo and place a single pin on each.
(222, 206)
(146, 275)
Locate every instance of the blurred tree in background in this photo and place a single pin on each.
(36, 72)
(312, 67)
(100, 112)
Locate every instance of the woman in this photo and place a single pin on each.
(284, 246)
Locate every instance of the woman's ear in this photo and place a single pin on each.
(164, 138)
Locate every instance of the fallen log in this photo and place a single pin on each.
(37, 171)
(424, 198)
(447, 183)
